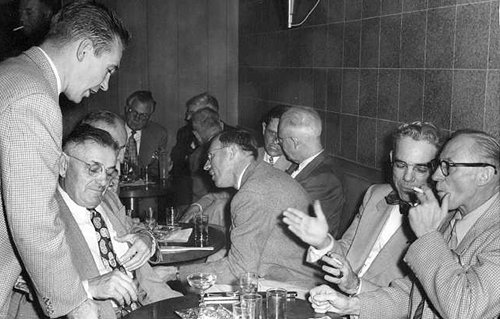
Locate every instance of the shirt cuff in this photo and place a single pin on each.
(313, 254)
(85, 284)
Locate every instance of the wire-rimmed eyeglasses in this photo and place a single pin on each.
(211, 153)
(445, 165)
(142, 116)
(95, 169)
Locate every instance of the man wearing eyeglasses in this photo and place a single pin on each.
(145, 138)
(120, 272)
(456, 257)
(369, 253)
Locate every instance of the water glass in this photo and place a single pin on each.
(276, 303)
(240, 311)
(253, 303)
(248, 282)
(201, 230)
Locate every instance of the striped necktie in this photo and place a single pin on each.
(131, 151)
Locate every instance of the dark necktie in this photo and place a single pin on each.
(393, 199)
(131, 151)
(106, 250)
(292, 168)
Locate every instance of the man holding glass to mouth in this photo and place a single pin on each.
(370, 252)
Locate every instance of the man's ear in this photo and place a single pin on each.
(63, 164)
(84, 49)
(485, 175)
(390, 156)
(263, 128)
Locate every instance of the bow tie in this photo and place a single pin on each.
(393, 199)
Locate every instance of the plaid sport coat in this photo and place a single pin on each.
(31, 232)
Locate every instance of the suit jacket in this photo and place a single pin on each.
(259, 241)
(460, 283)
(319, 179)
(282, 163)
(151, 287)
(31, 232)
(359, 238)
(153, 137)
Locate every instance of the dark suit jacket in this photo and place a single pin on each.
(153, 137)
(152, 287)
(259, 241)
(319, 179)
(31, 233)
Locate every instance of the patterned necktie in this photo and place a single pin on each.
(131, 151)
(292, 168)
(271, 160)
(106, 250)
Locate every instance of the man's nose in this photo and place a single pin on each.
(207, 165)
(104, 84)
(409, 174)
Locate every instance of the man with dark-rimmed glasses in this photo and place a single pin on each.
(369, 253)
(456, 257)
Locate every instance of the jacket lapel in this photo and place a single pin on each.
(304, 174)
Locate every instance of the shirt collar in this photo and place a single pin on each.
(241, 176)
(306, 162)
(53, 67)
(129, 131)
(467, 221)
(78, 212)
(267, 157)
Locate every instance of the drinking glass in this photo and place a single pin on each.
(248, 282)
(201, 281)
(240, 311)
(276, 303)
(253, 303)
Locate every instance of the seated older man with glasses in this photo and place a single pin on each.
(111, 253)
(455, 260)
(369, 254)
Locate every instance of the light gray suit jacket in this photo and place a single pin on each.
(358, 240)
(260, 242)
(151, 287)
(460, 283)
(31, 232)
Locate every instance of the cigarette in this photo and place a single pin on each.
(18, 28)
(418, 190)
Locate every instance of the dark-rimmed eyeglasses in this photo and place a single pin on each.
(445, 165)
(421, 168)
(142, 116)
(95, 169)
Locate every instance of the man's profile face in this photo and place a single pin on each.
(218, 165)
(92, 73)
(84, 189)
(286, 135)
(405, 173)
(461, 181)
(270, 133)
(137, 114)
(34, 16)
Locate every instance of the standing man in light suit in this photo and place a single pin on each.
(456, 258)
(82, 49)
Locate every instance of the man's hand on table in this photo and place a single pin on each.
(114, 285)
(325, 299)
(87, 310)
(312, 230)
(138, 253)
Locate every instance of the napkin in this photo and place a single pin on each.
(179, 236)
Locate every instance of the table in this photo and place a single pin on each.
(158, 195)
(216, 238)
(296, 309)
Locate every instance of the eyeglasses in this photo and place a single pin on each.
(445, 166)
(211, 154)
(142, 116)
(95, 169)
(423, 168)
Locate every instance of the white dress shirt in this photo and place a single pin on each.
(304, 164)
